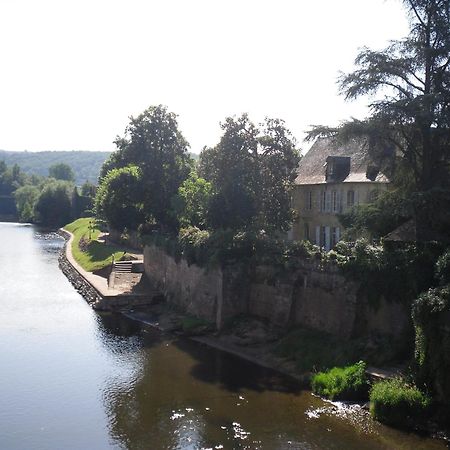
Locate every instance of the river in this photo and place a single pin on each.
(73, 379)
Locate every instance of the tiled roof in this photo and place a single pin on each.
(311, 169)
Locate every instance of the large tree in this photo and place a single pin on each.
(153, 142)
(53, 206)
(251, 171)
(118, 199)
(412, 113)
(231, 170)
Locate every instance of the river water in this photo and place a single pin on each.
(73, 379)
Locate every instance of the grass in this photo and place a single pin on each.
(394, 402)
(94, 255)
(342, 383)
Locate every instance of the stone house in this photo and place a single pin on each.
(332, 178)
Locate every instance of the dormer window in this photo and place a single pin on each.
(372, 172)
(337, 168)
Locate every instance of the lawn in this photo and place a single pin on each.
(95, 255)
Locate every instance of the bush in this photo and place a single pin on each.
(430, 312)
(342, 383)
(394, 402)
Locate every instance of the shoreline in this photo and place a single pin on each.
(258, 354)
(95, 297)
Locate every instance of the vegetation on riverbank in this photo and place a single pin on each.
(395, 402)
(342, 383)
(88, 252)
(233, 207)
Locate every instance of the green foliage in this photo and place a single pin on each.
(154, 143)
(223, 247)
(411, 117)
(42, 200)
(251, 171)
(53, 206)
(61, 171)
(377, 219)
(397, 274)
(95, 255)
(278, 162)
(11, 178)
(397, 403)
(119, 198)
(26, 198)
(191, 203)
(430, 313)
(342, 383)
(85, 164)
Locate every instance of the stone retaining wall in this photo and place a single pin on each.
(192, 288)
(313, 296)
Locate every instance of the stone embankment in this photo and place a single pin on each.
(95, 289)
(312, 296)
(76, 279)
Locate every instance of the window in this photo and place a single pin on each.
(334, 201)
(350, 198)
(306, 231)
(310, 195)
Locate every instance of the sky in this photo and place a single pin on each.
(73, 72)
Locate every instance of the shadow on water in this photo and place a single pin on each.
(233, 373)
(120, 334)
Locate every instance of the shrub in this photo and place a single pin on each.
(394, 402)
(342, 383)
(430, 312)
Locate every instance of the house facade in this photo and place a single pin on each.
(332, 179)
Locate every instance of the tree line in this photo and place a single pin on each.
(85, 164)
(51, 201)
(243, 183)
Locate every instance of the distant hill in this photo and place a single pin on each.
(86, 165)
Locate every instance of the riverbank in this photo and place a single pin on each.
(95, 288)
(251, 341)
(248, 338)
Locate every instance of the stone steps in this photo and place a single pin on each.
(123, 266)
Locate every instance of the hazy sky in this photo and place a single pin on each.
(72, 72)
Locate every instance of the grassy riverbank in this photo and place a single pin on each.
(86, 249)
